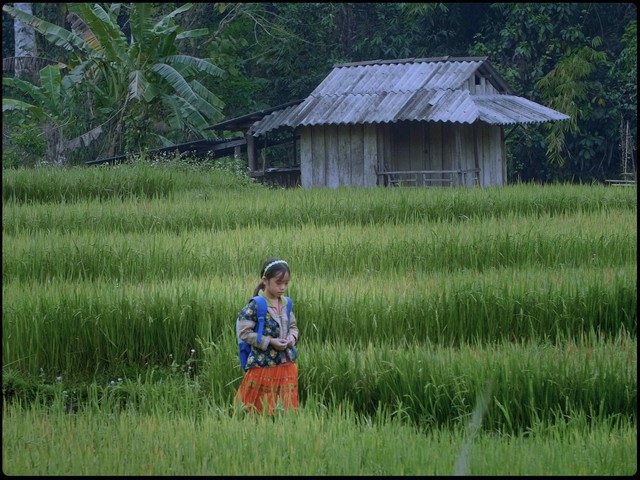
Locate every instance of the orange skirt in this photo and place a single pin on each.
(275, 387)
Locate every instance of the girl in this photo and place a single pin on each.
(272, 375)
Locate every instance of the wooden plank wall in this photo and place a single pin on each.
(318, 157)
(468, 151)
(400, 134)
(371, 156)
(434, 160)
(357, 145)
(331, 152)
(306, 159)
(484, 143)
(492, 155)
(479, 85)
(417, 148)
(338, 155)
(447, 152)
(344, 155)
(350, 155)
(446, 146)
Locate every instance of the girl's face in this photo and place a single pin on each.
(275, 287)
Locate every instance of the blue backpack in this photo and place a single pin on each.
(243, 347)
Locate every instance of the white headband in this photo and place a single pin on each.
(271, 265)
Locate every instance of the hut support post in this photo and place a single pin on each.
(251, 153)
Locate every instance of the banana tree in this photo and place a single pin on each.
(136, 86)
(48, 106)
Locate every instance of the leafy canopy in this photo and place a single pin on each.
(135, 86)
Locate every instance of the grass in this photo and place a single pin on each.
(485, 331)
(317, 441)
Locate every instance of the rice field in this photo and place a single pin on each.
(443, 331)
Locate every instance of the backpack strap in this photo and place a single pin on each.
(289, 306)
(261, 313)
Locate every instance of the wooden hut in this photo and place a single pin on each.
(423, 122)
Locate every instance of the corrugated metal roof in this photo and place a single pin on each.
(271, 121)
(403, 77)
(246, 121)
(509, 110)
(409, 89)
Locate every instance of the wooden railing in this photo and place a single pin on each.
(278, 177)
(624, 183)
(426, 178)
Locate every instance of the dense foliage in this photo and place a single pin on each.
(134, 86)
(579, 58)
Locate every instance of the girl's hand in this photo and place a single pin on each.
(278, 343)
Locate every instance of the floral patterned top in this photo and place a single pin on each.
(275, 325)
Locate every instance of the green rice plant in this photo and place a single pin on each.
(428, 384)
(204, 208)
(128, 199)
(83, 330)
(605, 239)
(470, 306)
(319, 440)
(411, 302)
(436, 386)
(139, 179)
(103, 324)
(432, 385)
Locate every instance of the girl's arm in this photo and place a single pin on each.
(292, 337)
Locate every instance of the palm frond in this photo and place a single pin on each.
(34, 63)
(207, 95)
(174, 116)
(163, 141)
(165, 20)
(50, 80)
(26, 87)
(151, 93)
(138, 85)
(176, 80)
(78, 25)
(140, 22)
(205, 108)
(195, 120)
(114, 9)
(103, 28)
(53, 33)
(197, 63)
(78, 74)
(9, 104)
(85, 139)
(196, 33)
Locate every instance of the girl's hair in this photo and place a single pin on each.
(272, 267)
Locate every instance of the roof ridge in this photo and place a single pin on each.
(446, 58)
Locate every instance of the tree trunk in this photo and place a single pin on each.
(25, 44)
(56, 154)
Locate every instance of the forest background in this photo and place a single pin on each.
(110, 79)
